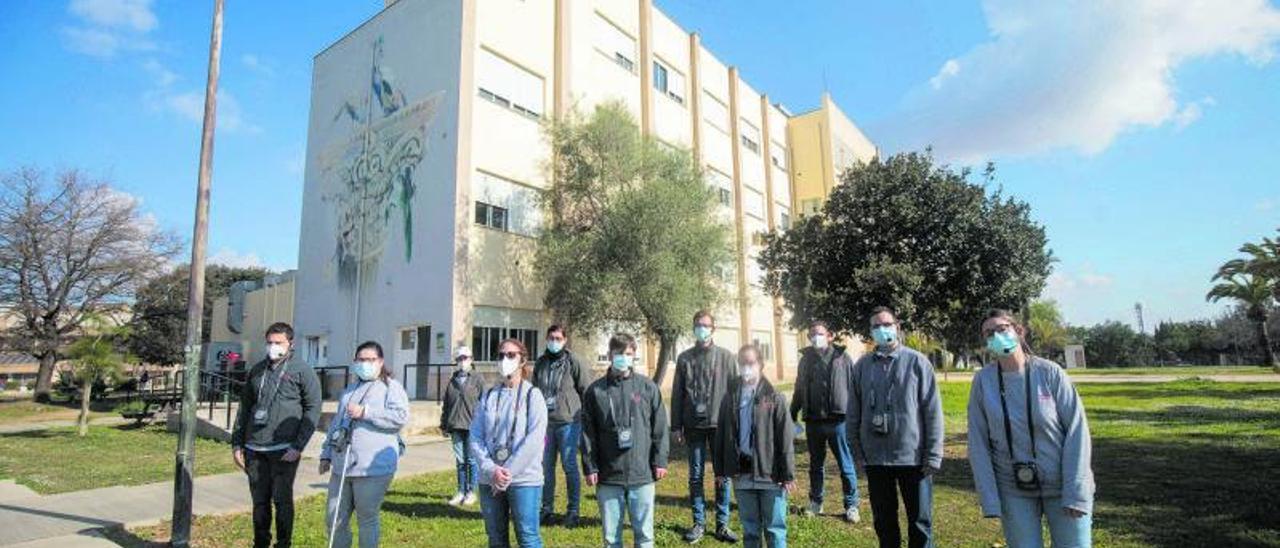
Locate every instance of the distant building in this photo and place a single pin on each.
(241, 318)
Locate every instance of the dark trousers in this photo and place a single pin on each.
(271, 482)
(885, 482)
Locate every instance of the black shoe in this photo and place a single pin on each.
(547, 519)
(570, 521)
(724, 534)
(694, 534)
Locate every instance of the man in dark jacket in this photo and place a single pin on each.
(562, 380)
(624, 444)
(822, 392)
(755, 447)
(279, 410)
(460, 397)
(702, 378)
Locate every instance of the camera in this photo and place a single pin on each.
(259, 417)
(340, 438)
(551, 403)
(501, 454)
(700, 410)
(624, 438)
(880, 423)
(1026, 475)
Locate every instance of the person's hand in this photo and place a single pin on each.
(237, 455)
(789, 486)
(501, 478)
(929, 471)
(355, 410)
(592, 479)
(325, 465)
(659, 473)
(292, 455)
(1073, 513)
(680, 437)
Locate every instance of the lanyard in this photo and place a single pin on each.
(703, 378)
(613, 412)
(888, 393)
(515, 407)
(368, 388)
(553, 375)
(262, 381)
(1008, 430)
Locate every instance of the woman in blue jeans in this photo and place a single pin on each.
(507, 438)
(460, 399)
(756, 448)
(1029, 443)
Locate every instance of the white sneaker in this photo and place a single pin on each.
(469, 500)
(814, 509)
(851, 515)
(456, 500)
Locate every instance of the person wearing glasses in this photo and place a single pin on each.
(507, 438)
(1029, 443)
(895, 424)
(624, 444)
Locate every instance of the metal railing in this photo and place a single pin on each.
(327, 389)
(427, 381)
(215, 388)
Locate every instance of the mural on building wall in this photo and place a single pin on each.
(370, 177)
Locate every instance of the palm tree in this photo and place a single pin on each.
(1238, 281)
(1264, 261)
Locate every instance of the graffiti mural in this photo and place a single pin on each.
(371, 176)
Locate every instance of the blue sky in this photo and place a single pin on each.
(1144, 135)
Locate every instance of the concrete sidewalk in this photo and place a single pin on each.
(57, 520)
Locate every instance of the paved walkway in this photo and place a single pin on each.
(68, 519)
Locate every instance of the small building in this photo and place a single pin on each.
(1074, 356)
(241, 318)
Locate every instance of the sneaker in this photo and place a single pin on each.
(813, 509)
(457, 499)
(851, 515)
(570, 521)
(547, 519)
(469, 500)
(724, 534)
(694, 534)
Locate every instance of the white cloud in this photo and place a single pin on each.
(1191, 112)
(163, 76)
(256, 64)
(232, 258)
(1060, 285)
(1075, 74)
(190, 105)
(135, 15)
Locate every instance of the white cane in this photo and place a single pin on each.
(333, 529)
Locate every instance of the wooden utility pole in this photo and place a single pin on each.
(184, 469)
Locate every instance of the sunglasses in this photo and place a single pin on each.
(509, 355)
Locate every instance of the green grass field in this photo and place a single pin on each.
(1178, 464)
(25, 410)
(1178, 370)
(56, 460)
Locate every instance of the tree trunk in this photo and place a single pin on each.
(86, 393)
(44, 377)
(666, 354)
(1265, 339)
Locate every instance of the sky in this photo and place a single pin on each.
(1145, 134)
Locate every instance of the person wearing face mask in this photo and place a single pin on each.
(756, 447)
(364, 444)
(508, 435)
(822, 393)
(1029, 443)
(702, 379)
(624, 444)
(562, 380)
(279, 410)
(460, 398)
(895, 424)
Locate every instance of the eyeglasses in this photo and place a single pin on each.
(509, 355)
(998, 328)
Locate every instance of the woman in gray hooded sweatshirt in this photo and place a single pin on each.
(1029, 443)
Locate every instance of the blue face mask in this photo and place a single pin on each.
(884, 335)
(1002, 343)
(703, 333)
(555, 347)
(621, 362)
(366, 371)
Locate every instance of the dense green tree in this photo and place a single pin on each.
(1047, 334)
(1240, 281)
(96, 358)
(918, 237)
(1115, 344)
(159, 325)
(632, 237)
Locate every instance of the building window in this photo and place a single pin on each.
(492, 216)
(785, 222)
(504, 84)
(659, 77)
(726, 197)
(749, 135)
(766, 349)
(615, 44)
(668, 81)
(715, 112)
(485, 341)
(779, 154)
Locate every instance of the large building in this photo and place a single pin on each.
(426, 154)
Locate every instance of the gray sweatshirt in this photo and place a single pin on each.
(493, 428)
(899, 384)
(375, 438)
(1063, 446)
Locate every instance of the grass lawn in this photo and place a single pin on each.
(1179, 370)
(25, 410)
(1178, 464)
(57, 460)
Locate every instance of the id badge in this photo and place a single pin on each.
(624, 438)
(259, 417)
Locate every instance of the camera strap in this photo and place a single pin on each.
(625, 405)
(275, 390)
(1031, 423)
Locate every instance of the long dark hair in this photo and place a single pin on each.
(377, 349)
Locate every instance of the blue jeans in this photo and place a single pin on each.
(763, 511)
(517, 505)
(562, 441)
(468, 475)
(1020, 518)
(637, 502)
(820, 436)
(885, 483)
(701, 443)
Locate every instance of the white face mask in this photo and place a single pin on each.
(819, 341)
(749, 372)
(509, 366)
(277, 351)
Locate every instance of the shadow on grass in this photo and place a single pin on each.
(435, 509)
(1181, 389)
(123, 537)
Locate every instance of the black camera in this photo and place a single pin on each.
(881, 423)
(624, 438)
(700, 410)
(501, 454)
(340, 439)
(1026, 475)
(259, 417)
(551, 403)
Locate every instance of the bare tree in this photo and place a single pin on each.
(68, 249)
